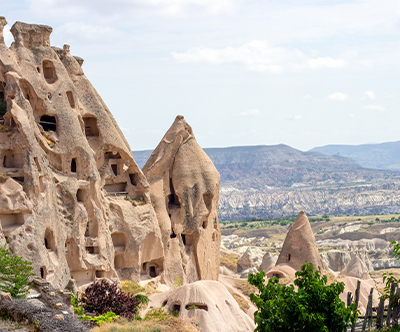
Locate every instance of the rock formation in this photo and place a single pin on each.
(248, 260)
(356, 268)
(268, 262)
(299, 248)
(184, 188)
(337, 260)
(210, 303)
(72, 198)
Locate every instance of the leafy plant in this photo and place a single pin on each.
(109, 316)
(389, 278)
(14, 274)
(178, 282)
(315, 306)
(75, 303)
(103, 296)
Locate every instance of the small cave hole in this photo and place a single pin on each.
(49, 71)
(153, 272)
(114, 168)
(91, 129)
(71, 99)
(100, 273)
(79, 195)
(183, 238)
(133, 178)
(38, 69)
(176, 308)
(49, 240)
(48, 123)
(164, 303)
(204, 225)
(118, 261)
(43, 272)
(173, 199)
(173, 235)
(288, 257)
(196, 306)
(73, 165)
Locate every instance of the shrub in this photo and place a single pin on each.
(14, 274)
(314, 307)
(103, 296)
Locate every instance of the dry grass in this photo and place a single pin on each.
(286, 281)
(229, 260)
(132, 288)
(243, 304)
(330, 276)
(378, 274)
(155, 321)
(245, 287)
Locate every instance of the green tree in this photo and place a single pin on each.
(315, 306)
(14, 274)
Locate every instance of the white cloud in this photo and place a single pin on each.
(370, 94)
(308, 97)
(374, 107)
(338, 96)
(258, 56)
(250, 112)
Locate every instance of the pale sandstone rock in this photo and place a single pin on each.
(245, 273)
(299, 248)
(268, 262)
(209, 303)
(58, 317)
(68, 165)
(356, 268)
(248, 260)
(336, 260)
(5, 297)
(184, 187)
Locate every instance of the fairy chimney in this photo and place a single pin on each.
(184, 188)
(299, 248)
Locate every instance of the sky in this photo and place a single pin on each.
(304, 73)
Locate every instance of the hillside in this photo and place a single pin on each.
(379, 156)
(259, 181)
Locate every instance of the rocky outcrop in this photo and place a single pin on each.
(209, 303)
(299, 248)
(268, 262)
(72, 199)
(184, 188)
(248, 260)
(385, 263)
(336, 260)
(363, 244)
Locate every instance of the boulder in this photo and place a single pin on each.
(245, 273)
(184, 189)
(268, 262)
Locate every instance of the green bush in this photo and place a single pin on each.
(14, 274)
(315, 306)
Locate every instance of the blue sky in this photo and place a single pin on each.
(299, 72)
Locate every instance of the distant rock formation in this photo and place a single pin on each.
(268, 262)
(184, 188)
(299, 248)
(248, 260)
(211, 304)
(72, 199)
(356, 268)
(337, 260)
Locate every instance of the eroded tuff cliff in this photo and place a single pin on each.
(184, 187)
(72, 199)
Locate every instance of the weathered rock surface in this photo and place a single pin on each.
(248, 260)
(366, 244)
(184, 188)
(299, 248)
(211, 304)
(67, 168)
(245, 273)
(385, 263)
(337, 260)
(268, 262)
(356, 268)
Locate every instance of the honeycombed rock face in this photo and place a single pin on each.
(184, 187)
(72, 199)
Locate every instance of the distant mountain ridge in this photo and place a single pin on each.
(276, 180)
(379, 156)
